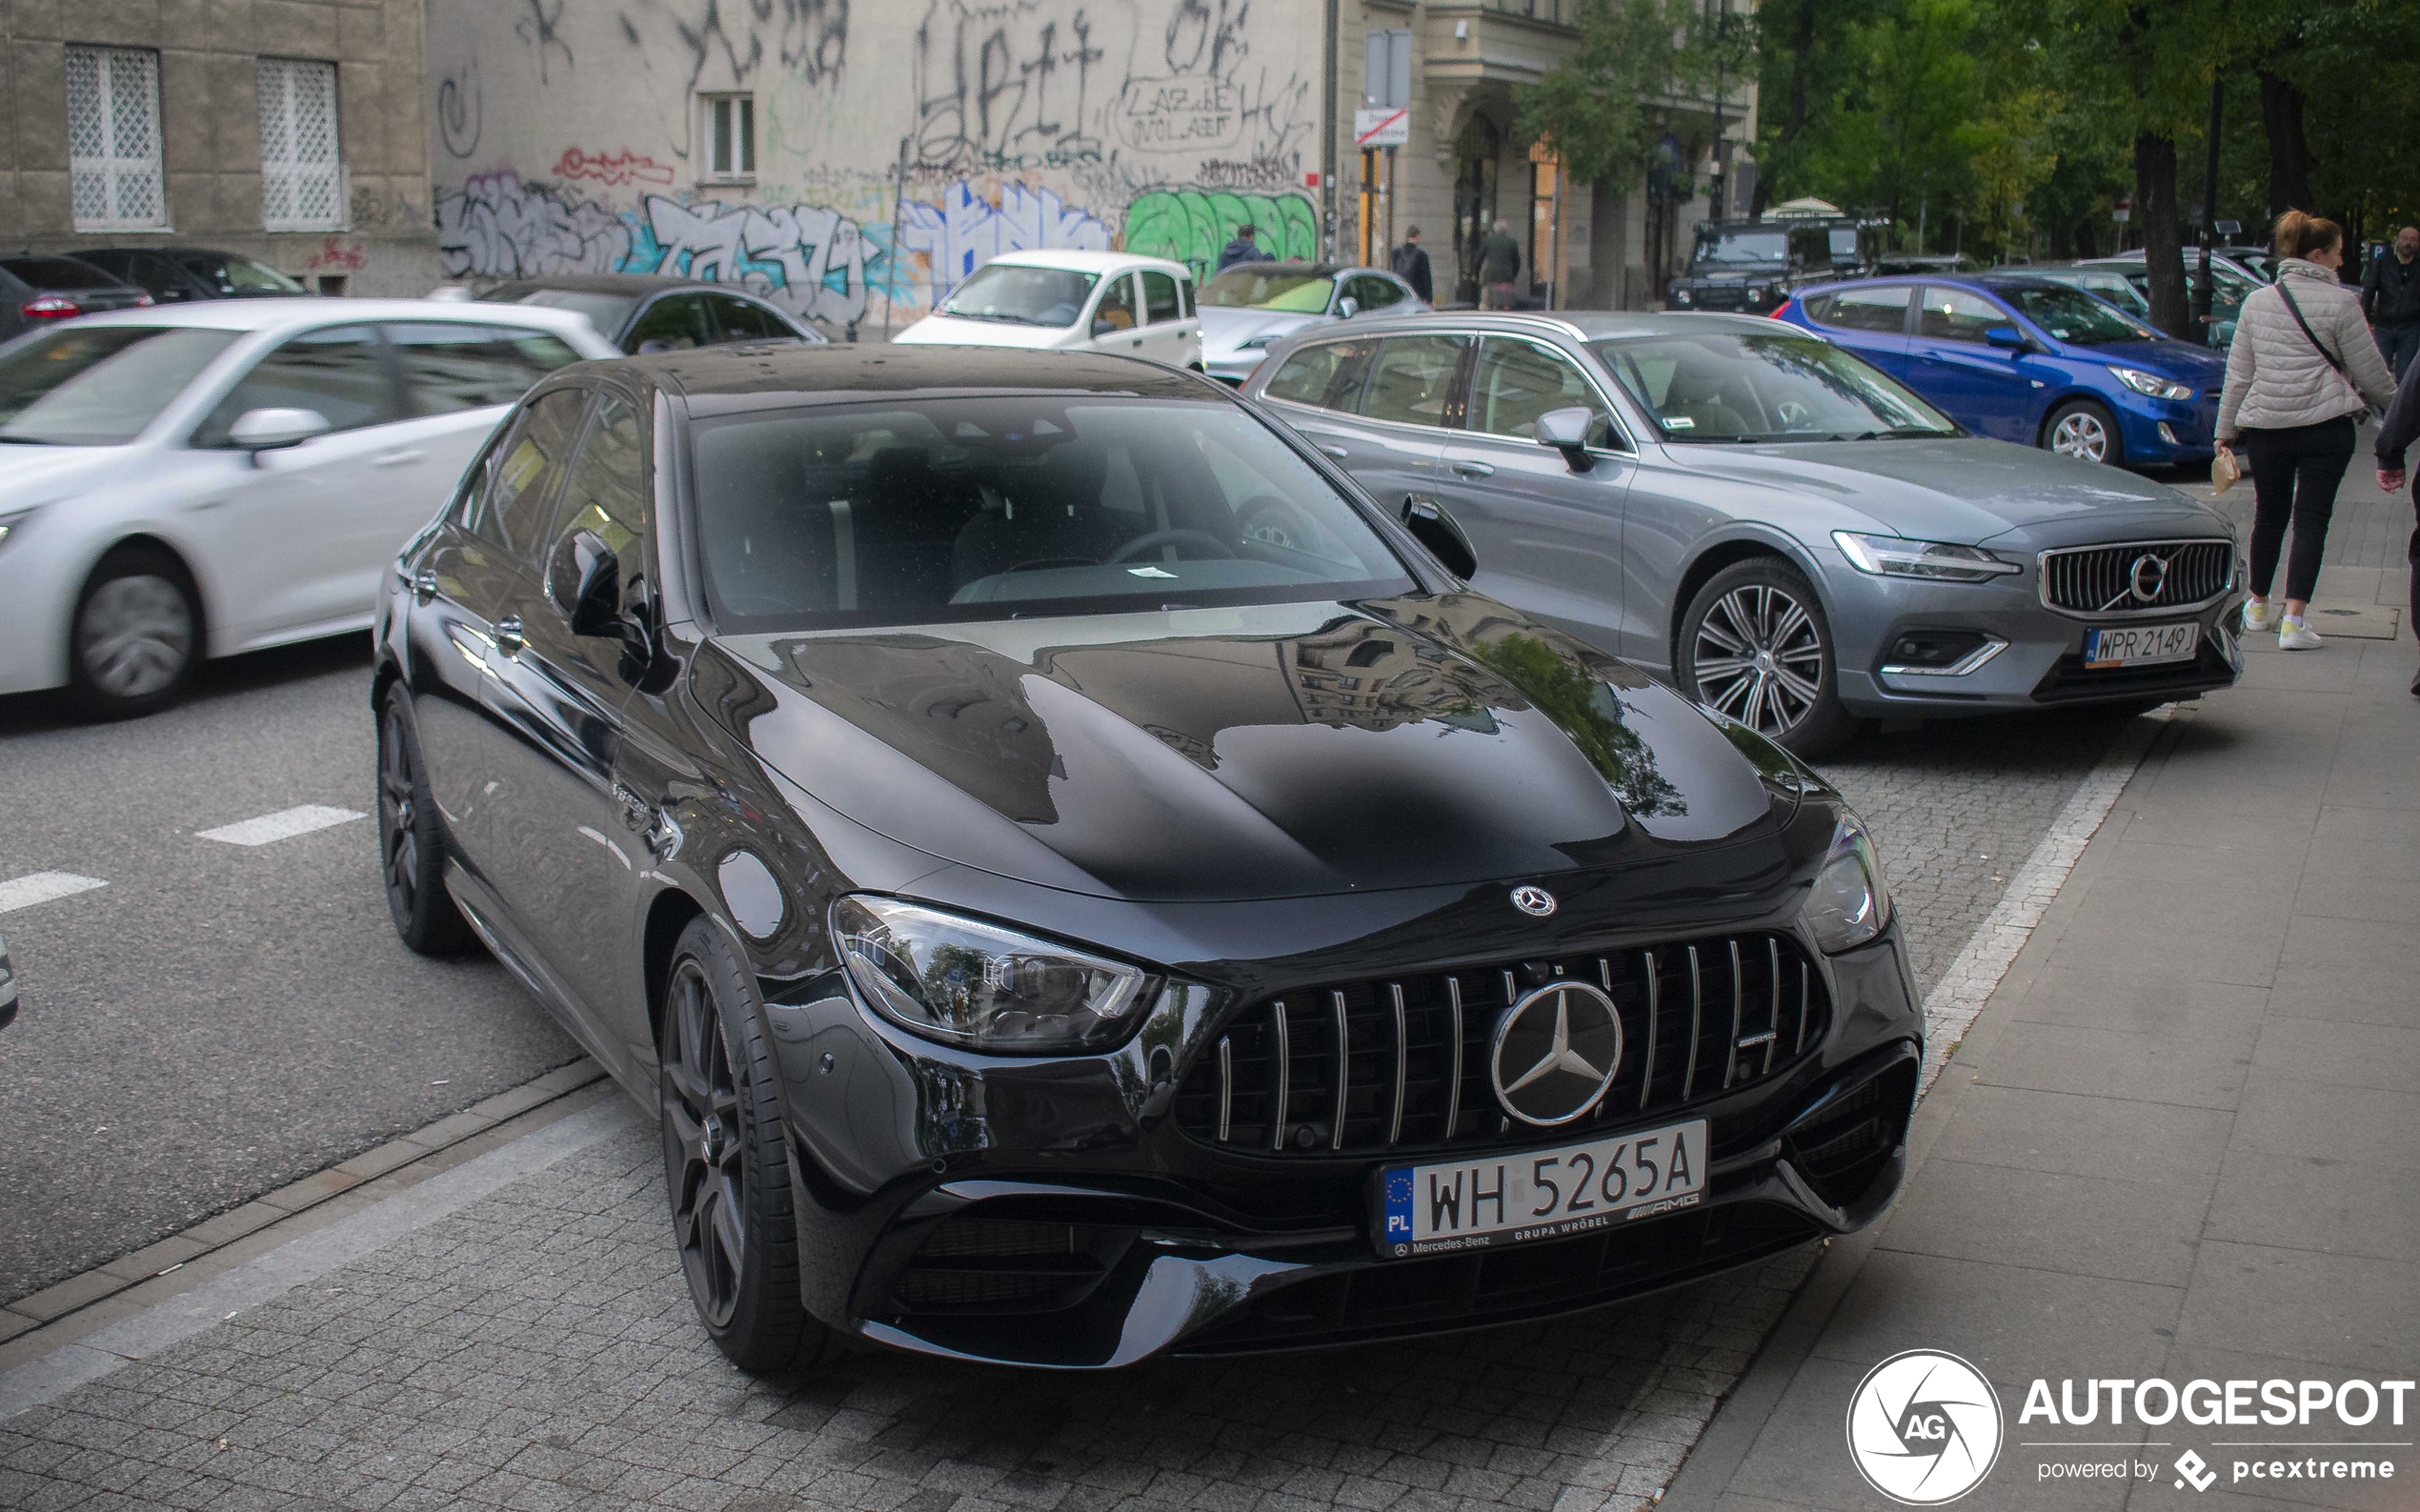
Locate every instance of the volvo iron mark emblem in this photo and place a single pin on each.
(1535, 902)
(2147, 576)
(1555, 1053)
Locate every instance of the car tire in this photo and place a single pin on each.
(411, 841)
(1754, 644)
(2086, 430)
(726, 1164)
(135, 637)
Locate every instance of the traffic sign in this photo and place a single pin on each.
(1381, 128)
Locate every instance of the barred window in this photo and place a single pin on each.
(114, 140)
(301, 174)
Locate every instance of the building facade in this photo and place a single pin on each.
(857, 161)
(291, 130)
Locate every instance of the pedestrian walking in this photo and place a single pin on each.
(2301, 369)
(2391, 297)
(1411, 265)
(1498, 265)
(2394, 438)
(1245, 248)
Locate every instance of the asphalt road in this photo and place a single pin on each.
(221, 1018)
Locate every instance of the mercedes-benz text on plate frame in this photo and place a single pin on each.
(2142, 645)
(1541, 1194)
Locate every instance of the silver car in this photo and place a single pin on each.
(1253, 306)
(1778, 528)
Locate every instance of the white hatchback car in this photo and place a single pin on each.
(1072, 301)
(224, 476)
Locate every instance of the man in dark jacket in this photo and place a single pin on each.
(1498, 265)
(1243, 250)
(2401, 429)
(2391, 297)
(1411, 265)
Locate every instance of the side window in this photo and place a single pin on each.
(1882, 307)
(516, 506)
(1310, 374)
(1377, 293)
(1517, 381)
(1184, 296)
(737, 319)
(604, 494)
(1412, 382)
(1117, 304)
(449, 367)
(674, 323)
(157, 276)
(1953, 315)
(1160, 300)
(340, 371)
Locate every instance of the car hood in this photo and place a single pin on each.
(35, 476)
(950, 331)
(1957, 489)
(1224, 330)
(1277, 750)
(1735, 273)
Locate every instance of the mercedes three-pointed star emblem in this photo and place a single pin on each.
(1555, 1053)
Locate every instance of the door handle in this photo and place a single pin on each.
(1139, 341)
(1336, 451)
(509, 639)
(424, 585)
(1468, 468)
(400, 457)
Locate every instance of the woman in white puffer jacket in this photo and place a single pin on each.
(2301, 372)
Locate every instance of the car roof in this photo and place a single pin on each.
(304, 309)
(1301, 269)
(1579, 325)
(1088, 262)
(636, 284)
(748, 375)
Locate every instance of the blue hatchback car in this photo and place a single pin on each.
(2028, 360)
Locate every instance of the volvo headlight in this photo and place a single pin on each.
(1891, 557)
(1850, 901)
(2152, 383)
(1254, 343)
(966, 982)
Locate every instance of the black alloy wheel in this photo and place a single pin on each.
(725, 1163)
(135, 636)
(2084, 429)
(411, 841)
(1755, 645)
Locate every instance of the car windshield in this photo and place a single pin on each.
(1748, 386)
(915, 511)
(234, 274)
(2071, 314)
(58, 272)
(1022, 297)
(98, 385)
(1254, 287)
(1750, 247)
(605, 312)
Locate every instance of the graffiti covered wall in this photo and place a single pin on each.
(899, 146)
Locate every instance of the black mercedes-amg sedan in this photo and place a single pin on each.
(1078, 878)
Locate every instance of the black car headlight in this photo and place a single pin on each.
(966, 982)
(1850, 901)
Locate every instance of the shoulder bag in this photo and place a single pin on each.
(2312, 336)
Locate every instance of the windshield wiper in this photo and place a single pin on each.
(1900, 433)
(970, 314)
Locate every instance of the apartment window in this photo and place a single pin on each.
(731, 135)
(114, 140)
(301, 173)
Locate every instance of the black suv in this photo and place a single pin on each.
(1748, 267)
(1076, 880)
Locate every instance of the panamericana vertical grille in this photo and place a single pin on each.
(1401, 1062)
(2100, 579)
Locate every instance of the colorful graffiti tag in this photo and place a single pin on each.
(806, 257)
(1190, 225)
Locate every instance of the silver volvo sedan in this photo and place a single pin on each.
(1780, 530)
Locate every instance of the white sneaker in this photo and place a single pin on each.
(2259, 615)
(2293, 634)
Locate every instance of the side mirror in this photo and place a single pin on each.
(258, 431)
(1104, 328)
(1440, 533)
(585, 582)
(1347, 308)
(2007, 337)
(1567, 430)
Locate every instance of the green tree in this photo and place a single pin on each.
(1599, 109)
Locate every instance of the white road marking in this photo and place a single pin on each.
(283, 825)
(40, 887)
